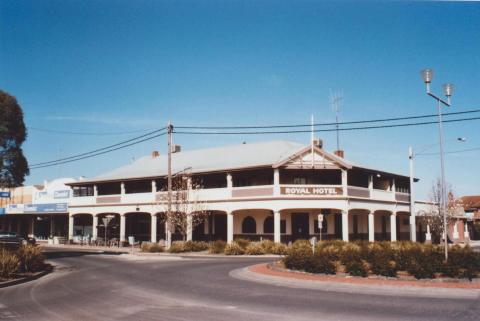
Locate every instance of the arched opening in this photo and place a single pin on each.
(249, 226)
(138, 225)
(82, 227)
(268, 225)
(108, 229)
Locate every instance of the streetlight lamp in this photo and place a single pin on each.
(427, 76)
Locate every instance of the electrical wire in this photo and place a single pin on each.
(100, 149)
(55, 131)
(320, 130)
(97, 154)
(331, 124)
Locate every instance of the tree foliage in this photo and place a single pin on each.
(434, 217)
(185, 205)
(13, 164)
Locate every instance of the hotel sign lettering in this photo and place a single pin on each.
(311, 191)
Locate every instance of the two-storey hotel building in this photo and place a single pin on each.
(266, 190)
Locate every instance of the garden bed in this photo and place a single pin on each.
(23, 263)
(400, 260)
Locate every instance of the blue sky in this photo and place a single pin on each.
(123, 66)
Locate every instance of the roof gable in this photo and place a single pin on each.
(320, 159)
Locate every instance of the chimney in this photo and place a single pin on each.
(318, 143)
(155, 154)
(339, 153)
(176, 148)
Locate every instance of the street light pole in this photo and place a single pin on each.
(413, 224)
(427, 75)
(169, 185)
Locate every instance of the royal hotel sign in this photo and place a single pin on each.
(311, 191)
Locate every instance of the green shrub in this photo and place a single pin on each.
(381, 259)
(425, 261)
(217, 247)
(9, 264)
(151, 247)
(243, 243)
(321, 264)
(299, 256)
(234, 249)
(279, 249)
(31, 258)
(357, 268)
(267, 246)
(195, 246)
(338, 244)
(332, 252)
(350, 252)
(177, 247)
(462, 263)
(255, 248)
(402, 254)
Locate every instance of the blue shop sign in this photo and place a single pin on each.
(46, 208)
(2, 211)
(4, 194)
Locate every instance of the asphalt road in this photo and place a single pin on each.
(88, 286)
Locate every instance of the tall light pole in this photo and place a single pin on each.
(169, 185)
(427, 75)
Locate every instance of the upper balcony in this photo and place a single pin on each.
(254, 184)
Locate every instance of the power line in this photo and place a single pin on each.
(137, 140)
(331, 124)
(453, 151)
(100, 149)
(322, 130)
(100, 153)
(55, 131)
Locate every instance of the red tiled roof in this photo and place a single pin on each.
(471, 202)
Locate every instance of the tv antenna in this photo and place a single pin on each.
(335, 101)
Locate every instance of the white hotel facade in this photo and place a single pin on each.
(267, 190)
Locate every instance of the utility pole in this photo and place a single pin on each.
(413, 224)
(169, 185)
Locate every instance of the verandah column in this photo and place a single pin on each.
(122, 228)
(276, 227)
(229, 227)
(153, 228)
(371, 227)
(71, 219)
(189, 227)
(94, 227)
(345, 225)
(393, 227)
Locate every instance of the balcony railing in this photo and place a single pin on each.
(260, 191)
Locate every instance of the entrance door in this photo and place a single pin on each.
(220, 227)
(338, 226)
(300, 226)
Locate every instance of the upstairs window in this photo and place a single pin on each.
(81, 191)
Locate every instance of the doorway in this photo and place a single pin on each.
(300, 226)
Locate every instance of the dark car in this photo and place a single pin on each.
(12, 239)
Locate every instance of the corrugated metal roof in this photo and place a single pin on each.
(230, 157)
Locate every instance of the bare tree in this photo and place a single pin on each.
(434, 216)
(188, 211)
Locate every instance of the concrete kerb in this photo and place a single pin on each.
(331, 286)
(25, 279)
